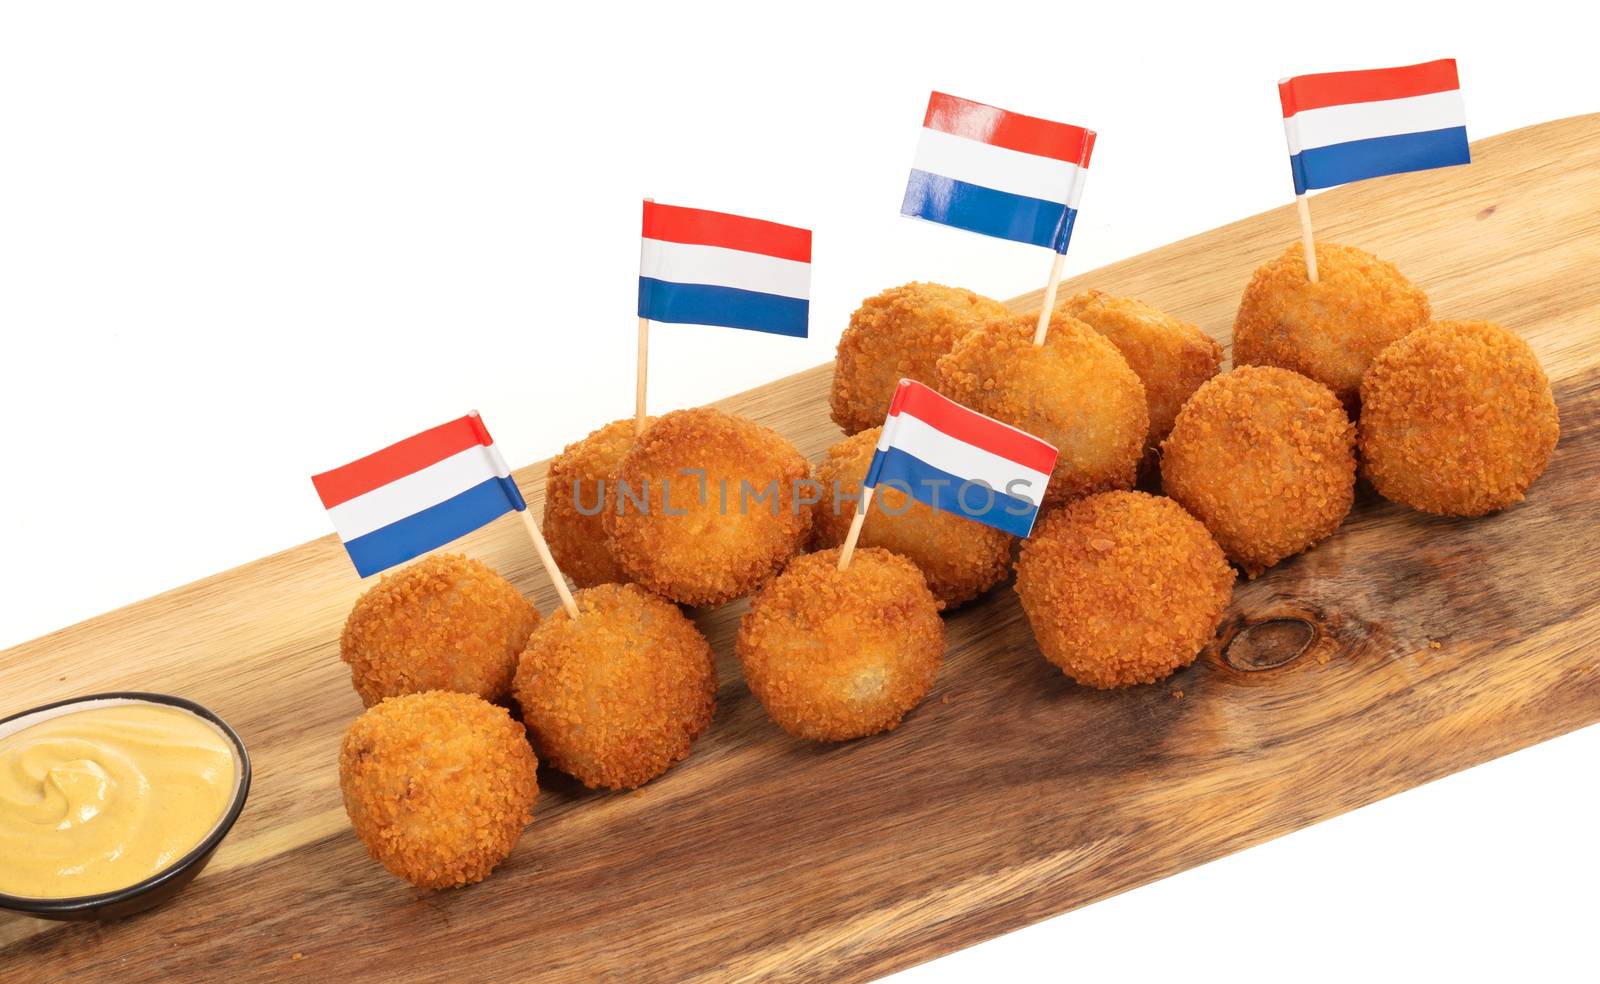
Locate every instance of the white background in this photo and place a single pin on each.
(243, 243)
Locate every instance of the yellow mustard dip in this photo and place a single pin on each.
(98, 799)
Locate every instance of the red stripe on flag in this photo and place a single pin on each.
(698, 227)
(1305, 92)
(1014, 131)
(972, 427)
(400, 459)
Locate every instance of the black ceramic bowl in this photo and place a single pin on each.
(163, 884)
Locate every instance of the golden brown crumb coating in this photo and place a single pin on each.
(1122, 588)
(442, 623)
(574, 504)
(1457, 419)
(438, 785)
(1329, 330)
(901, 333)
(732, 519)
(1076, 391)
(959, 558)
(1171, 357)
(837, 654)
(617, 696)
(1266, 459)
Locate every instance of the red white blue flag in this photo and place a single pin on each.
(1346, 126)
(712, 268)
(418, 494)
(998, 173)
(952, 458)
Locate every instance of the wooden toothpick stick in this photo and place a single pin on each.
(1049, 304)
(534, 533)
(1306, 242)
(643, 371)
(549, 562)
(850, 539)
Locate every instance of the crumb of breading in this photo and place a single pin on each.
(1170, 356)
(438, 785)
(615, 697)
(442, 623)
(731, 521)
(1130, 614)
(899, 334)
(1457, 419)
(834, 654)
(1266, 459)
(1330, 330)
(1076, 391)
(574, 503)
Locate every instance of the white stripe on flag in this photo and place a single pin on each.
(417, 491)
(1000, 168)
(1311, 128)
(683, 263)
(916, 437)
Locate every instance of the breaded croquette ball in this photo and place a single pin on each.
(899, 334)
(1329, 330)
(615, 697)
(442, 623)
(837, 654)
(574, 503)
(1265, 458)
(1122, 588)
(705, 506)
(438, 785)
(1457, 419)
(959, 558)
(1075, 391)
(1171, 357)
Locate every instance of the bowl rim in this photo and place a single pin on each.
(79, 903)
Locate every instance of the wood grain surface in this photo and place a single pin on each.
(1010, 794)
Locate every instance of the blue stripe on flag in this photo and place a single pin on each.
(925, 483)
(984, 210)
(726, 307)
(1341, 163)
(433, 527)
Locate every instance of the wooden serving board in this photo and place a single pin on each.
(1010, 794)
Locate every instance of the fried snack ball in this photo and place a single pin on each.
(1329, 330)
(834, 654)
(1457, 419)
(438, 785)
(1171, 357)
(1122, 588)
(442, 623)
(959, 558)
(901, 333)
(1076, 391)
(705, 508)
(616, 697)
(1265, 458)
(575, 503)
